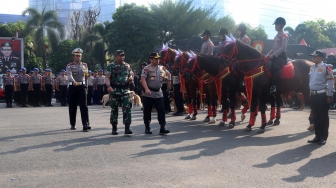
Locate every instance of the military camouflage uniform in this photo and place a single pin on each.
(119, 75)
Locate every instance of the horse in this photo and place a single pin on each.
(189, 85)
(229, 80)
(258, 78)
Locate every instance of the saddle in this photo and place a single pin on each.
(286, 72)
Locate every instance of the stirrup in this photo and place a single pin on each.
(273, 89)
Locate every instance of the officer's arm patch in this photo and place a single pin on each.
(329, 77)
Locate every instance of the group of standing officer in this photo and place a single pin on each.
(28, 89)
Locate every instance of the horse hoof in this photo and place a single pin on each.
(187, 117)
(231, 125)
(248, 129)
(212, 120)
(276, 122)
(260, 131)
(207, 119)
(242, 117)
(193, 118)
(270, 122)
(221, 124)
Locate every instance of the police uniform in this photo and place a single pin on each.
(24, 84)
(9, 89)
(62, 82)
(35, 86)
(154, 76)
(55, 88)
(321, 84)
(17, 93)
(245, 39)
(99, 85)
(8, 62)
(48, 87)
(207, 47)
(77, 73)
(118, 75)
(30, 90)
(178, 98)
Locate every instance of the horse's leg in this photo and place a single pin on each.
(207, 95)
(262, 106)
(213, 101)
(253, 112)
(194, 104)
(244, 110)
(225, 108)
(272, 113)
(278, 101)
(189, 100)
(233, 100)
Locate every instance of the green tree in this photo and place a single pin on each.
(41, 23)
(256, 33)
(62, 56)
(226, 22)
(181, 20)
(134, 30)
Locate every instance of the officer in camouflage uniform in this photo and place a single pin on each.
(117, 79)
(207, 46)
(242, 34)
(152, 77)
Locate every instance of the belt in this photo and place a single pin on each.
(317, 92)
(79, 83)
(154, 90)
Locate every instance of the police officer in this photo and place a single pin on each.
(17, 93)
(118, 76)
(55, 88)
(207, 46)
(221, 43)
(35, 86)
(47, 84)
(278, 54)
(90, 81)
(24, 84)
(152, 77)
(9, 61)
(9, 88)
(77, 72)
(30, 90)
(321, 84)
(242, 34)
(178, 98)
(62, 81)
(99, 84)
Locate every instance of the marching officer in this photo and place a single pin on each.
(47, 84)
(118, 76)
(35, 86)
(207, 46)
(77, 72)
(152, 77)
(9, 88)
(62, 82)
(99, 84)
(321, 84)
(24, 84)
(242, 34)
(278, 53)
(90, 81)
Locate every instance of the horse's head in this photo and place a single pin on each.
(192, 66)
(180, 62)
(167, 54)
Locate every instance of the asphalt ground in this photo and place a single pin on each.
(38, 149)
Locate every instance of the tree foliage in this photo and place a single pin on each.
(256, 33)
(62, 56)
(134, 30)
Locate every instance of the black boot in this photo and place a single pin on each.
(148, 130)
(127, 129)
(73, 127)
(86, 128)
(163, 130)
(114, 130)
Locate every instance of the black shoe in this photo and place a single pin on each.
(7, 106)
(86, 127)
(73, 127)
(273, 89)
(163, 130)
(178, 114)
(315, 140)
(148, 130)
(23, 106)
(322, 142)
(114, 130)
(127, 129)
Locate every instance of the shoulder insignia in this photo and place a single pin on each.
(145, 70)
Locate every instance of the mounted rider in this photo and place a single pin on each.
(278, 54)
(207, 46)
(221, 44)
(242, 34)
